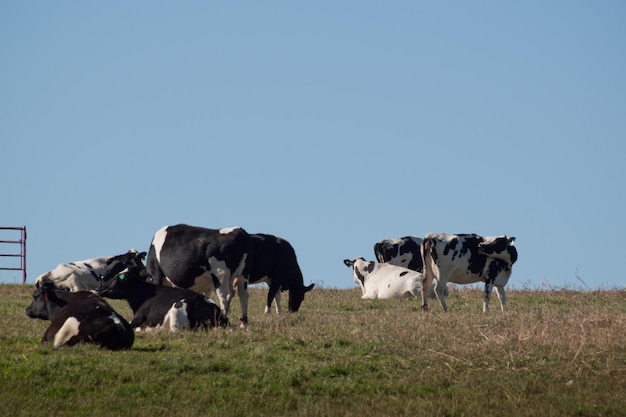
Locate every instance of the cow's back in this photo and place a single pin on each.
(392, 281)
(275, 259)
(182, 253)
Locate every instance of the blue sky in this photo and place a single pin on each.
(331, 124)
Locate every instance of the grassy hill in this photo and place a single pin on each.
(554, 353)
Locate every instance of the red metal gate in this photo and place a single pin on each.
(10, 243)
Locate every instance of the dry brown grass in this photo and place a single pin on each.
(552, 353)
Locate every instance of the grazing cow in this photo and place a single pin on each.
(85, 275)
(156, 306)
(383, 280)
(404, 251)
(467, 258)
(275, 262)
(79, 317)
(219, 260)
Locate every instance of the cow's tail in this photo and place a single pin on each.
(378, 251)
(429, 256)
(154, 267)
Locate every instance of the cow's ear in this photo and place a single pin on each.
(370, 267)
(142, 255)
(309, 288)
(143, 273)
(45, 285)
(63, 294)
(348, 262)
(511, 240)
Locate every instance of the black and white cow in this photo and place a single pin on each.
(156, 306)
(467, 258)
(85, 275)
(79, 317)
(403, 251)
(406, 252)
(203, 260)
(275, 263)
(383, 280)
(219, 260)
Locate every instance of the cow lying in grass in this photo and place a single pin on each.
(79, 317)
(385, 280)
(157, 306)
(406, 252)
(85, 275)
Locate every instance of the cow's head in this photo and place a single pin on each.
(500, 247)
(113, 268)
(361, 267)
(117, 283)
(130, 258)
(296, 296)
(47, 300)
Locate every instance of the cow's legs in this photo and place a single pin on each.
(224, 295)
(242, 291)
(277, 299)
(273, 294)
(222, 282)
(268, 306)
(440, 290)
(427, 286)
(502, 297)
(487, 294)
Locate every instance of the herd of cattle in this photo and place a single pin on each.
(186, 262)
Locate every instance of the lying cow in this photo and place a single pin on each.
(406, 252)
(79, 317)
(382, 280)
(156, 306)
(465, 259)
(85, 275)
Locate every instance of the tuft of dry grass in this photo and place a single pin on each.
(553, 353)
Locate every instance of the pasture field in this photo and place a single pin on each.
(554, 353)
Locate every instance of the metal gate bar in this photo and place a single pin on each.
(22, 255)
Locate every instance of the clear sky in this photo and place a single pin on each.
(330, 123)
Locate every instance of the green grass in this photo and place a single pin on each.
(559, 353)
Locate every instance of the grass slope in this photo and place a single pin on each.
(557, 353)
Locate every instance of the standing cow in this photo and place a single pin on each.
(382, 280)
(219, 260)
(467, 258)
(202, 260)
(404, 251)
